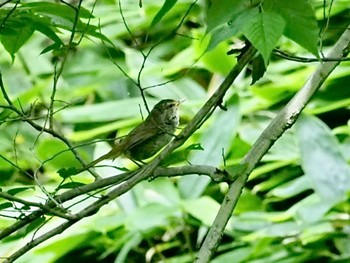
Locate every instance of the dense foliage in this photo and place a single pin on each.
(75, 75)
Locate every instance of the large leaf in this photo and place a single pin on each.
(222, 12)
(150, 216)
(59, 10)
(225, 18)
(106, 111)
(204, 209)
(13, 42)
(263, 30)
(311, 209)
(301, 23)
(322, 160)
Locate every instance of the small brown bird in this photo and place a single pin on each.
(146, 139)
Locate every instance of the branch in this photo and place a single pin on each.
(35, 204)
(59, 70)
(288, 56)
(213, 172)
(284, 120)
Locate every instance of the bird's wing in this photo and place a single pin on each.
(140, 134)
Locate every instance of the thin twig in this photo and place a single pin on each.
(9, 13)
(287, 56)
(42, 128)
(214, 173)
(35, 204)
(58, 71)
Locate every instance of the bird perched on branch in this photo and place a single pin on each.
(146, 139)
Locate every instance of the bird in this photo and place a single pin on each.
(149, 137)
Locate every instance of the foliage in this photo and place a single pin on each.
(84, 69)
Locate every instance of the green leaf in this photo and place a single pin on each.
(67, 172)
(292, 188)
(236, 170)
(258, 68)
(221, 12)
(55, 251)
(54, 46)
(204, 209)
(263, 30)
(301, 23)
(248, 202)
(222, 33)
(312, 208)
(316, 232)
(213, 55)
(168, 4)
(195, 147)
(225, 19)
(45, 29)
(5, 205)
(240, 254)
(24, 231)
(283, 229)
(17, 190)
(59, 10)
(322, 160)
(56, 153)
(150, 216)
(15, 41)
(133, 242)
(106, 111)
(34, 225)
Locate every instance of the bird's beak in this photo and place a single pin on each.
(179, 102)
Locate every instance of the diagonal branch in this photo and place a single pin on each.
(284, 120)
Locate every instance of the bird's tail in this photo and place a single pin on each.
(112, 154)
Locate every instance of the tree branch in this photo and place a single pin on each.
(290, 57)
(216, 175)
(284, 120)
(35, 204)
(213, 172)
